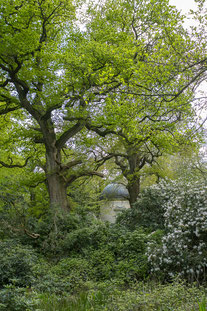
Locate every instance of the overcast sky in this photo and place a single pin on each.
(184, 5)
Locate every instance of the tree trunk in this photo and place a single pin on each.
(55, 181)
(134, 189)
(133, 176)
(32, 197)
(57, 192)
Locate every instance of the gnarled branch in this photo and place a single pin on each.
(73, 177)
(3, 164)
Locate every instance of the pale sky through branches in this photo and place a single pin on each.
(184, 5)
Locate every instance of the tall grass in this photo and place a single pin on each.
(170, 297)
(202, 305)
(81, 302)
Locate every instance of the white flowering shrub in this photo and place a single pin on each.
(183, 250)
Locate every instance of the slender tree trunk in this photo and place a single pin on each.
(32, 197)
(133, 177)
(134, 190)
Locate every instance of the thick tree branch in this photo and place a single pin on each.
(68, 134)
(101, 161)
(25, 103)
(122, 166)
(3, 164)
(70, 164)
(47, 114)
(104, 132)
(7, 109)
(73, 177)
(38, 183)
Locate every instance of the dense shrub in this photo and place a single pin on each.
(68, 275)
(147, 212)
(183, 250)
(96, 253)
(52, 231)
(13, 298)
(85, 236)
(16, 263)
(121, 255)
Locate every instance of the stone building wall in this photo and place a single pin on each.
(110, 209)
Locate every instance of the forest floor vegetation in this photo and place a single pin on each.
(75, 262)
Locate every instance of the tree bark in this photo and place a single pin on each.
(133, 175)
(56, 183)
(57, 188)
(134, 190)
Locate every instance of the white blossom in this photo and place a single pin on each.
(186, 229)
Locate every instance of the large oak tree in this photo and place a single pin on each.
(67, 74)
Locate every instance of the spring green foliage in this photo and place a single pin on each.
(79, 85)
(129, 70)
(144, 115)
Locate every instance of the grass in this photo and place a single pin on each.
(202, 305)
(142, 297)
(82, 302)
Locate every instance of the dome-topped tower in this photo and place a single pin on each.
(115, 191)
(114, 200)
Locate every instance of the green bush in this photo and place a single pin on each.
(96, 253)
(90, 236)
(131, 261)
(16, 263)
(68, 275)
(13, 298)
(102, 263)
(120, 255)
(147, 212)
(52, 231)
(157, 297)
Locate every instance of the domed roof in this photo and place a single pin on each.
(115, 191)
